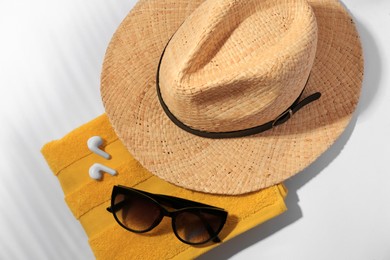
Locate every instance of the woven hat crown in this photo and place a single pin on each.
(235, 64)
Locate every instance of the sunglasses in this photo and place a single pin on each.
(139, 211)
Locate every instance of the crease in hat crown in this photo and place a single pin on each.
(234, 65)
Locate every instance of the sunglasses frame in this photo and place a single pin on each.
(180, 205)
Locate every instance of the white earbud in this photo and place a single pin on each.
(96, 171)
(94, 144)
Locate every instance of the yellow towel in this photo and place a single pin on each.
(70, 159)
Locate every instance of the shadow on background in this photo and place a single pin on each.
(372, 77)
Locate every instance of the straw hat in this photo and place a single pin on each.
(206, 93)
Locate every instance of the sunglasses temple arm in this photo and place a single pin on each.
(116, 207)
(211, 232)
(179, 202)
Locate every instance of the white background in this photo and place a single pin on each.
(51, 53)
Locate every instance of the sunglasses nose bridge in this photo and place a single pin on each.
(166, 213)
(163, 213)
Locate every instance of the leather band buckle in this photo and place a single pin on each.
(286, 115)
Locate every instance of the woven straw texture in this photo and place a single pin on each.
(238, 165)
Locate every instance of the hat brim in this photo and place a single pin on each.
(226, 166)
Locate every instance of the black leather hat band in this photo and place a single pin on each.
(282, 118)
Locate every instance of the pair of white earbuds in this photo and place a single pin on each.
(97, 169)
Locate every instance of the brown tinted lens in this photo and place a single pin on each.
(136, 212)
(197, 227)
